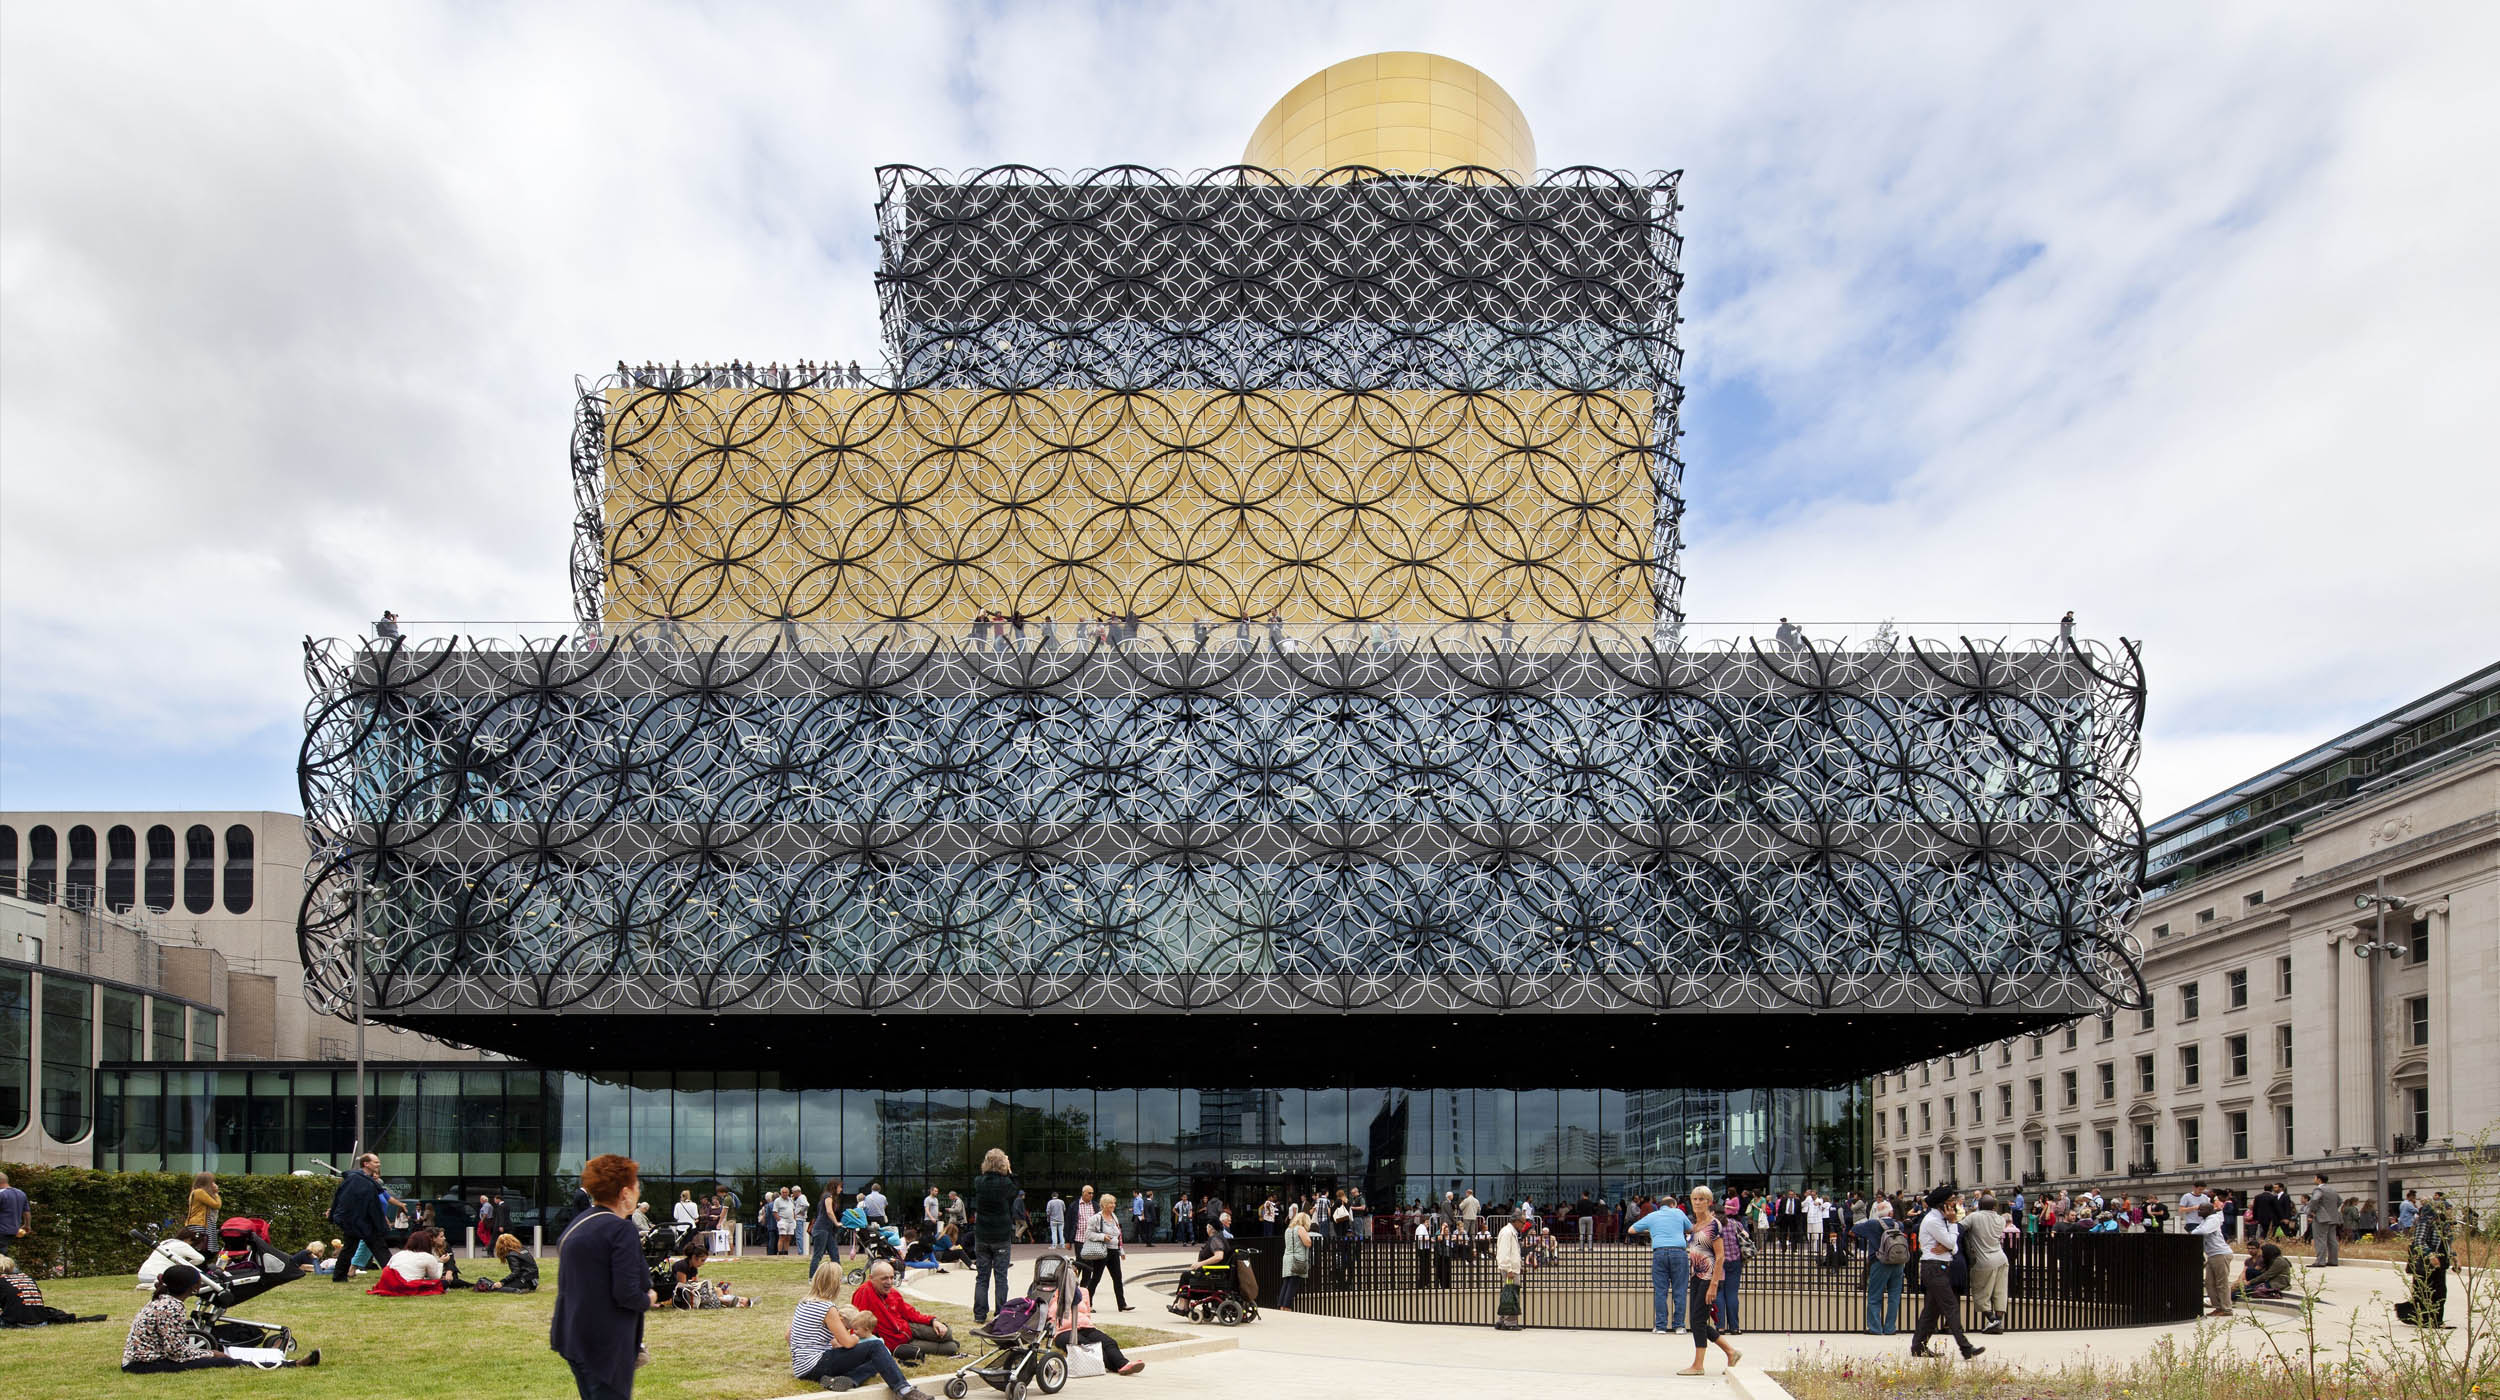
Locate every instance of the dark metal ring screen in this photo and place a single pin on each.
(1227, 593)
(1576, 822)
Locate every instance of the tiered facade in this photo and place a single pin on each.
(1235, 599)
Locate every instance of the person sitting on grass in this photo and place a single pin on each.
(415, 1271)
(1081, 1331)
(190, 1245)
(160, 1340)
(310, 1259)
(2269, 1274)
(695, 1294)
(22, 1304)
(440, 1244)
(521, 1271)
(839, 1346)
(906, 1331)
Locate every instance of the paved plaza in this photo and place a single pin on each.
(1291, 1356)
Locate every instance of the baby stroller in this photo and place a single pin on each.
(1023, 1338)
(239, 1240)
(1225, 1293)
(247, 1267)
(659, 1249)
(881, 1242)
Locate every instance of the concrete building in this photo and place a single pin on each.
(158, 937)
(227, 883)
(82, 985)
(2263, 1053)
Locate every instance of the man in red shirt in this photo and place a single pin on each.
(906, 1331)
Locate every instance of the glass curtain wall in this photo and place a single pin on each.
(524, 1132)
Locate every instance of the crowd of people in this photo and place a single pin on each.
(1000, 632)
(841, 1338)
(1942, 1247)
(739, 374)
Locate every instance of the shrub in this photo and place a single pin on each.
(82, 1219)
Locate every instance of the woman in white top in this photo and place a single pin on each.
(189, 1247)
(418, 1263)
(687, 1212)
(1506, 1267)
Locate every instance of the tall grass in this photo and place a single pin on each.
(2304, 1357)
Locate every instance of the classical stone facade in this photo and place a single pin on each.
(2255, 1059)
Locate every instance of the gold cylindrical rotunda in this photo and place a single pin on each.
(1405, 112)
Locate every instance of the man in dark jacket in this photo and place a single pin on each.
(995, 1201)
(2261, 1214)
(356, 1209)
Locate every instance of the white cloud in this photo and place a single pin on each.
(2173, 316)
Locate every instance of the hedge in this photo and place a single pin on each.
(82, 1219)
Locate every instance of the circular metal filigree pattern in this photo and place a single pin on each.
(1333, 528)
(1582, 822)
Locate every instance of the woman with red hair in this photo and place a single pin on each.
(602, 1289)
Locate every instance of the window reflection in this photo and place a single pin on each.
(526, 1131)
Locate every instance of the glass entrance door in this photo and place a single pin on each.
(1241, 1193)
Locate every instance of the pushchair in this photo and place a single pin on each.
(1225, 1293)
(1023, 1338)
(247, 1267)
(875, 1243)
(659, 1249)
(240, 1239)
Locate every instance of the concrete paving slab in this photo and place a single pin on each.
(1292, 1356)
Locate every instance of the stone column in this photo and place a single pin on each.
(2444, 1029)
(2354, 1082)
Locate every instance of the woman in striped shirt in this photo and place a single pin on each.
(826, 1344)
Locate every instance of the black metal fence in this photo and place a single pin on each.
(2057, 1283)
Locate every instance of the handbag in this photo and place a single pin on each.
(1095, 1249)
(1085, 1359)
(1510, 1299)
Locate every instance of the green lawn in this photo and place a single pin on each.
(456, 1347)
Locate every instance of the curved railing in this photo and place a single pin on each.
(2060, 1283)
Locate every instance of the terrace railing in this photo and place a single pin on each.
(2058, 1284)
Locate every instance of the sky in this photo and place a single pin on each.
(2175, 315)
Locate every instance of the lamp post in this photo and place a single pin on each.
(2372, 952)
(356, 941)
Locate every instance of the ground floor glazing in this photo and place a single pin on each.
(525, 1131)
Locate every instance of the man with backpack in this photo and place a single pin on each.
(1887, 1270)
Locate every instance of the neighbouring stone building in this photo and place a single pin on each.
(2254, 1058)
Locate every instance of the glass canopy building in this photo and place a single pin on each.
(1232, 641)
